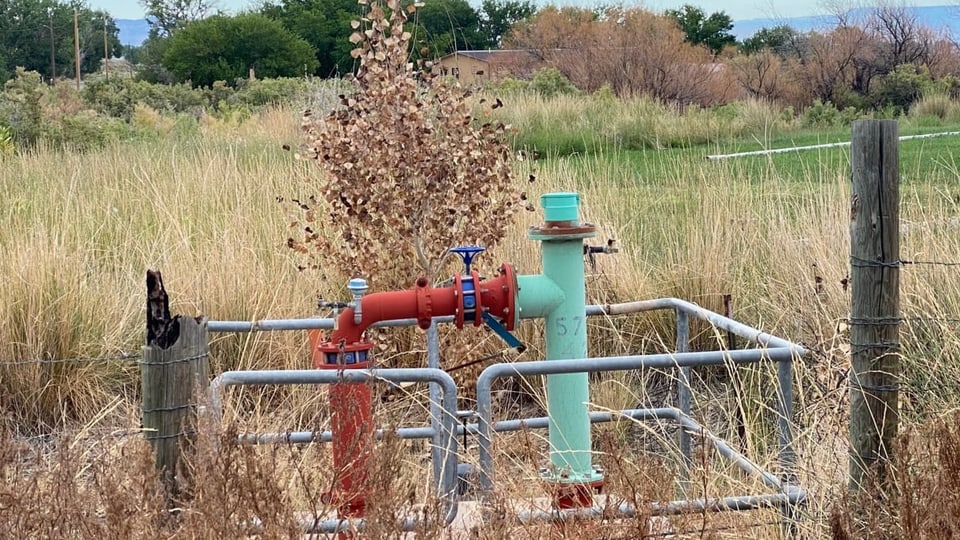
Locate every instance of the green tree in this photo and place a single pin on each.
(92, 25)
(168, 16)
(445, 26)
(38, 35)
(149, 60)
(324, 24)
(497, 17)
(777, 39)
(222, 48)
(712, 32)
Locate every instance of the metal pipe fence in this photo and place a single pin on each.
(446, 487)
(444, 428)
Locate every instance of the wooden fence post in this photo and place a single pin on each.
(875, 304)
(173, 369)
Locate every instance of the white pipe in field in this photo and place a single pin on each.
(818, 146)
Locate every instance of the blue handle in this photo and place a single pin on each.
(503, 333)
(467, 253)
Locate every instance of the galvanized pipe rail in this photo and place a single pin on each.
(443, 438)
(592, 365)
(773, 348)
(426, 432)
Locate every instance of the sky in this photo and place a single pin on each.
(736, 9)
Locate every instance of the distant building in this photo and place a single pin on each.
(476, 67)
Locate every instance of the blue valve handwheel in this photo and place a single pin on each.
(467, 253)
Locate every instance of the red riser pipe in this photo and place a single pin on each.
(351, 403)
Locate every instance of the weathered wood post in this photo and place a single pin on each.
(174, 367)
(875, 304)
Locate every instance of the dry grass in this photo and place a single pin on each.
(80, 230)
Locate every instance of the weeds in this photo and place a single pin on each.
(78, 230)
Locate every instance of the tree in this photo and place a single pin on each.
(91, 26)
(712, 32)
(222, 48)
(149, 60)
(633, 50)
(776, 39)
(497, 17)
(760, 74)
(38, 35)
(554, 28)
(828, 70)
(168, 16)
(445, 26)
(440, 176)
(325, 24)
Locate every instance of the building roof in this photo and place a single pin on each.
(499, 55)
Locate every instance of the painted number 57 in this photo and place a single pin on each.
(566, 326)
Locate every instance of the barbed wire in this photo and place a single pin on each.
(893, 321)
(131, 358)
(931, 263)
(122, 357)
(859, 262)
(79, 432)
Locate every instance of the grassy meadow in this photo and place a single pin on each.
(79, 230)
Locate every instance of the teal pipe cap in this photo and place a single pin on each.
(561, 206)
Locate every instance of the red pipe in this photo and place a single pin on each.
(350, 403)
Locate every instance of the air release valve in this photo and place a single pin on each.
(467, 253)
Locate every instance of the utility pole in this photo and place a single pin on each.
(106, 50)
(76, 45)
(53, 49)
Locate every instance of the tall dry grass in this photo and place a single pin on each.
(80, 230)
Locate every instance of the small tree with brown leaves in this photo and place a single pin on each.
(407, 171)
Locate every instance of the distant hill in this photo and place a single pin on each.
(133, 31)
(936, 17)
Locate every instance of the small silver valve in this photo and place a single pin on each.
(357, 287)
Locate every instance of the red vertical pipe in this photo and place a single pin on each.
(351, 403)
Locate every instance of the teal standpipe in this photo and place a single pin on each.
(559, 296)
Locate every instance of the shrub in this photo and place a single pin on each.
(605, 94)
(549, 82)
(822, 114)
(113, 97)
(148, 120)
(263, 92)
(901, 87)
(177, 98)
(440, 177)
(219, 93)
(934, 104)
(87, 131)
(510, 85)
(6, 141)
(118, 98)
(20, 107)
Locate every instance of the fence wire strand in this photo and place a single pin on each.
(859, 262)
(122, 357)
(130, 358)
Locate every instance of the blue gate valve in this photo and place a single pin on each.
(467, 253)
